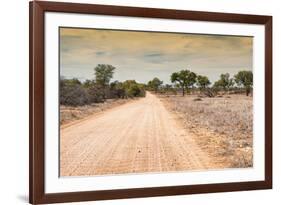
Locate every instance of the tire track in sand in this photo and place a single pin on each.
(137, 137)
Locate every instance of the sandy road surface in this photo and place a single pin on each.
(141, 136)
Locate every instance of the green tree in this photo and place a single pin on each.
(225, 82)
(154, 84)
(202, 82)
(103, 74)
(245, 79)
(184, 79)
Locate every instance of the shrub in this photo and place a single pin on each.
(209, 92)
(95, 94)
(133, 89)
(73, 95)
(116, 90)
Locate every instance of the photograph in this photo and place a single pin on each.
(137, 102)
(133, 102)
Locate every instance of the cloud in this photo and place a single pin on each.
(100, 53)
(151, 53)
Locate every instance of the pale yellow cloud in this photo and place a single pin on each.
(148, 53)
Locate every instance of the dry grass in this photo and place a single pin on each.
(69, 114)
(222, 126)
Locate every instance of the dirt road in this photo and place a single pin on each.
(140, 136)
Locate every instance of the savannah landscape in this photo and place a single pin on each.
(154, 128)
(185, 123)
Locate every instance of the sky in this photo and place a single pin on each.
(141, 56)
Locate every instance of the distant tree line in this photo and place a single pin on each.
(76, 93)
(187, 80)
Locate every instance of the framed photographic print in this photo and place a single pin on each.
(138, 102)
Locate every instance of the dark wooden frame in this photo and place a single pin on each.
(37, 194)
